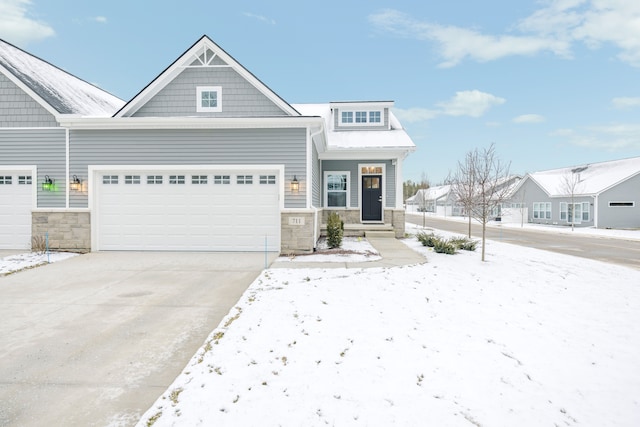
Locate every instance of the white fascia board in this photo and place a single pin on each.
(379, 154)
(361, 104)
(31, 93)
(190, 122)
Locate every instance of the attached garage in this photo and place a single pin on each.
(187, 209)
(16, 203)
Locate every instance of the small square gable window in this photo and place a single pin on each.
(209, 99)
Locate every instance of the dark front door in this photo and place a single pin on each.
(372, 198)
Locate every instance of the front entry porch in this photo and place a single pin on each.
(393, 225)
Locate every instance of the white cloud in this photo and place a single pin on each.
(553, 28)
(625, 102)
(472, 103)
(608, 137)
(260, 18)
(17, 27)
(100, 19)
(412, 115)
(529, 118)
(456, 43)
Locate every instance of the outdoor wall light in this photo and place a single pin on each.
(295, 184)
(75, 184)
(48, 184)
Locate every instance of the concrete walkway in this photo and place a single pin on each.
(394, 253)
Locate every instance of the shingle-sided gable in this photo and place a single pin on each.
(177, 91)
(54, 89)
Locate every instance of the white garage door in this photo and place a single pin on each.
(188, 211)
(15, 209)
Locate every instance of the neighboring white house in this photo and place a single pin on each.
(205, 157)
(603, 195)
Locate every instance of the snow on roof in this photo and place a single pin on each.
(395, 138)
(593, 178)
(64, 92)
(433, 193)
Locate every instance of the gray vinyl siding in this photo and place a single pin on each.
(338, 127)
(44, 148)
(17, 109)
(530, 193)
(316, 186)
(352, 166)
(620, 217)
(192, 147)
(239, 98)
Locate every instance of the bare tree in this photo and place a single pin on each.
(463, 184)
(570, 185)
(481, 183)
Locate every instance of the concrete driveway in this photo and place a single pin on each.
(95, 340)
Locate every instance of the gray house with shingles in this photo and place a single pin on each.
(205, 157)
(602, 195)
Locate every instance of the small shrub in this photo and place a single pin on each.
(428, 240)
(464, 243)
(335, 230)
(444, 247)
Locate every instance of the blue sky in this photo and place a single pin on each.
(550, 83)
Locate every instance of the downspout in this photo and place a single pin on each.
(595, 210)
(67, 189)
(310, 181)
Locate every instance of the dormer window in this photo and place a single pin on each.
(209, 99)
(361, 118)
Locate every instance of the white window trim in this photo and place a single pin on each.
(384, 184)
(633, 204)
(366, 110)
(199, 107)
(326, 191)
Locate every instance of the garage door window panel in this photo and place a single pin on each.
(24, 180)
(5, 180)
(109, 179)
(199, 179)
(132, 179)
(244, 179)
(154, 179)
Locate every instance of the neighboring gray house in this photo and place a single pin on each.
(436, 200)
(442, 200)
(603, 195)
(205, 157)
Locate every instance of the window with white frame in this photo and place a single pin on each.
(154, 179)
(575, 213)
(109, 179)
(361, 118)
(24, 179)
(209, 99)
(337, 189)
(542, 210)
(5, 180)
(622, 204)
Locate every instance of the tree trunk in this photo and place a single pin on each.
(484, 227)
(469, 226)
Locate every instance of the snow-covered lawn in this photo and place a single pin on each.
(353, 249)
(12, 263)
(528, 338)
